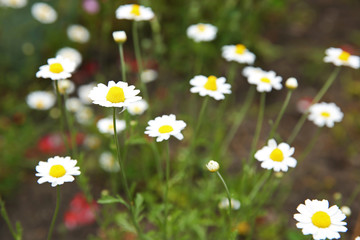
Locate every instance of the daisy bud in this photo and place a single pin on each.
(119, 36)
(346, 210)
(291, 83)
(212, 166)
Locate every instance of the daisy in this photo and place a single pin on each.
(247, 71)
(165, 126)
(43, 12)
(106, 125)
(84, 116)
(119, 36)
(57, 170)
(238, 53)
(66, 86)
(13, 3)
(134, 12)
(265, 81)
(137, 108)
(73, 104)
(56, 69)
(212, 166)
(339, 57)
(78, 33)
(83, 92)
(114, 94)
(108, 162)
(291, 83)
(211, 86)
(71, 54)
(316, 218)
(149, 75)
(202, 32)
(40, 100)
(277, 157)
(325, 114)
(224, 203)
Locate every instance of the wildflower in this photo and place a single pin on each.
(78, 33)
(148, 75)
(40, 100)
(71, 54)
(43, 12)
(247, 71)
(346, 210)
(106, 125)
(277, 157)
(137, 108)
(91, 6)
(291, 83)
(265, 81)
(212, 166)
(318, 219)
(224, 204)
(83, 92)
(13, 3)
(211, 86)
(134, 12)
(304, 104)
(92, 142)
(51, 144)
(119, 36)
(66, 86)
(114, 94)
(57, 170)
(56, 69)
(238, 53)
(84, 116)
(325, 114)
(108, 162)
(165, 126)
(73, 104)
(339, 57)
(202, 32)
(357, 238)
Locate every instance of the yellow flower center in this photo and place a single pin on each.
(135, 10)
(115, 95)
(240, 49)
(325, 114)
(201, 27)
(277, 155)
(137, 109)
(321, 219)
(111, 127)
(265, 80)
(56, 68)
(166, 129)
(344, 56)
(57, 171)
(39, 104)
(211, 83)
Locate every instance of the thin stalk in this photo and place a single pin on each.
(167, 175)
(122, 62)
(62, 126)
(55, 212)
(158, 161)
(7, 220)
(259, 184)
(231, 73)
(70, 123)
(310, 146)
(201, 116)
(228, 196)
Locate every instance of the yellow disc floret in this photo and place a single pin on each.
(240, 49)
(344, 56)
(265, 80)
(57, 171)
(211, 83)
(325, 114)
(166, 129)
(201, 27)
(277, 155)
(321, 219)
(115, 95)
(135, 10)
(56, 68)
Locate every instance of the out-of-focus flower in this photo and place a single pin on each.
(165, 126)
(291, 83)
(91, 6)
(83, 92)
(92, 142)
(210, 86)
(134, 12)
(66, 86)
(73, 104)
(108, 162)
(339, 57)
(40, 100)
(202, 32)
(57, 170)
(238, 53)
(51, 144)
(119, 36)
(212, 166)
(325, 114)
(106, 125)
(303, 104)
(247, 71)
(224, 203)
(149, 75)
(346, 210)
(265, 81)
(57, 68)
(138, 108)
(71, 54)
(316, 218)
(13, 3)
(84, 116)
(277, 157)
(357, 238)
(43, 12)
(78, 33)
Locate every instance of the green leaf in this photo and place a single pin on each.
(110, 200)
(136, 141)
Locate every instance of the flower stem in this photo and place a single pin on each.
(62, 127)
(55, 212)
(167, 175)
(228, 196)
(311, 144)
(122, 62)
(5, 216)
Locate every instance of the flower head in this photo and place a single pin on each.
(119, 36)
(83, 92)
(291, 83)
(66, 86)
(325, 114)
(57, 68)
(277, 157)
(148, 75)
(138, 108)
(212, 166)
(265, 81)
(13, 3)
(165, 126)
(211, 86)
(40, 100)
(238, 53)
(78, 33)
(85, 115)
(247, 71)
(202, 32)
(108, 162)
(43, 12)
(57, 170)
(73, 104)
(339, 57)
(224, 203)
(316, 218)
(134, 12)
(106, 125)
(71, 54)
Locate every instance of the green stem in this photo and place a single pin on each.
(70, 123)
(7, 220)
(55, 212)
(228, 196)
(60, 106)
(201, 116)
(258, 186)
(122, 62)
(167, 175)
(311, 145)
(231, 73)
(158, 161)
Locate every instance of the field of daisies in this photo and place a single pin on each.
(179, 120)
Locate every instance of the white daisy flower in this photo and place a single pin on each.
(83, 92)
(325, 114)
(114, 94)
(40, 100)
(57, 68)
(247, 71)
(106, 125)
(71, 54)
(73, 104)
(85, 115)
(265, 81)
(291, 83)
(277, 157)
(212, 166)
(165, 126)
(134, 12)
(339, 57)
(66, 86)
(357, 238)
(57, 170)
(202, 32)
(119, 36)
(43, 12)
(13, 3)
(238, 53)
(78, 33)
(224, 203)
(211, 86)
(108, 162)
(138, 108)
(316, 218)
(346, 210)
(149, 75)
